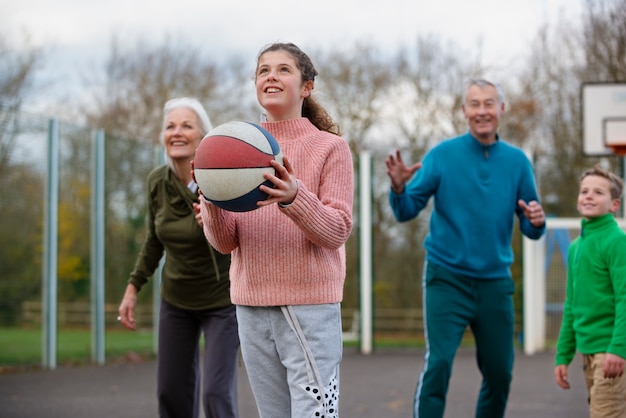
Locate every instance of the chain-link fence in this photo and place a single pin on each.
(25, 161)
(26, 173)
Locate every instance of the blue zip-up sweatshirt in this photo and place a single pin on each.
(476, 188)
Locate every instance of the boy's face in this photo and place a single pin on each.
(594, 197)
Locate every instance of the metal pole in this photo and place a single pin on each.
(156, 279)
(97, 249)
(534, 295)
(50, 251)
(365, 244)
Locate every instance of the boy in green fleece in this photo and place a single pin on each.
(594, 317)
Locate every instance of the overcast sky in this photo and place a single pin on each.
(78, 32)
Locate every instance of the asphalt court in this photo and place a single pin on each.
(378, 385)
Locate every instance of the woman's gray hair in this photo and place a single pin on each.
(185, 103)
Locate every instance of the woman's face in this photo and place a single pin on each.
(181, 133)
(279, 86)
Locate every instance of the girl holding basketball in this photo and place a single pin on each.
(288, 256)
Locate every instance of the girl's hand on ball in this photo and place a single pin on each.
(285, 184)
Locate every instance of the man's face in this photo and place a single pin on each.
(483, 110)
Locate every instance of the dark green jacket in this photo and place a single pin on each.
(190, 279)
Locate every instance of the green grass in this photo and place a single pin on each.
(21, 347)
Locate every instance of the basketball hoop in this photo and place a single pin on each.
(603, 118)
(614, 134)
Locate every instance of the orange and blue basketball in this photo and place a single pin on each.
(230, 162)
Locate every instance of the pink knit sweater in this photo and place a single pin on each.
(293, 255)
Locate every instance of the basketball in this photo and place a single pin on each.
(230, 162)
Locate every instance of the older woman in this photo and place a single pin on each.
(195, 282)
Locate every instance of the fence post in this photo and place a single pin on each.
(365, 244)
(159, 159)
(50, 251)
(534, 334)
(97, 248)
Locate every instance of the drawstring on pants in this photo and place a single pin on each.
(313, 373)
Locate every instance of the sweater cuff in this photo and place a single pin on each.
(135, 283)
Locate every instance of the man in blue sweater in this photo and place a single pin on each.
(479, 183)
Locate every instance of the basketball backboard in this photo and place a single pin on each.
(603, 118)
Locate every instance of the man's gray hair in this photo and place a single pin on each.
(482, 83)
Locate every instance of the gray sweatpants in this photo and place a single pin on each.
(292, 356)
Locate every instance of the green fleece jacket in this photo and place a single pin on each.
(194, 275)
(594, 317)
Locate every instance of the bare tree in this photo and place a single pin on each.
(18, 67)
(141, 78)
(604, 39)
(354, 83)
(127, 103)
(20, 186)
